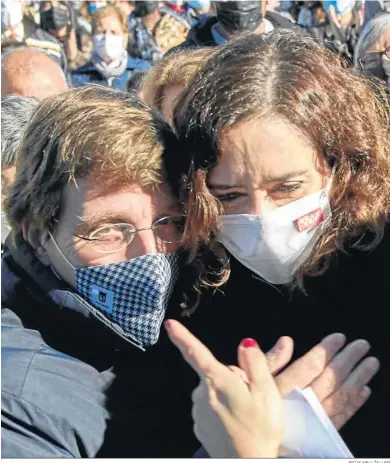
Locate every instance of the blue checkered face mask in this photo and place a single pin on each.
(131, 296)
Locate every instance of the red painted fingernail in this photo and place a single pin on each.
(249, 342)
(168, 324)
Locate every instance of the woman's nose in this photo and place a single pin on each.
(259, 203)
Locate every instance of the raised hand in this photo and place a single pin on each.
(233, 417)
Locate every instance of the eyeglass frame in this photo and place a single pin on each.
(385, 52)
(132, 233)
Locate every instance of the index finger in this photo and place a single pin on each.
(194, 352)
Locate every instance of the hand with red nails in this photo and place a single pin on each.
(236, 418)
(337, 374)
(339, 384)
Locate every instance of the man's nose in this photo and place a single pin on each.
(144, 243)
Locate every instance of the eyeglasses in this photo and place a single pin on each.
(110, 238)
(371, 60)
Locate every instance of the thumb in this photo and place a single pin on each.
(194, 352)
(253, 361)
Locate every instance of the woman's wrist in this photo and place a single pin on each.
(256, 449)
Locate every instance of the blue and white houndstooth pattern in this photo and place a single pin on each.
(134, 294)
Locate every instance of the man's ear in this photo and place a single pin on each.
(37, 239)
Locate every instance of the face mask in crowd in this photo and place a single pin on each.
(55, 18)
(132, 294)
(109, 47)
(274, 244)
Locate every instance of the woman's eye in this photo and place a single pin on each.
(287, 188)
(229, 197)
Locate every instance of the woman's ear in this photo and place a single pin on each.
(37, 239)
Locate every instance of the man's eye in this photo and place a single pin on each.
(229, 197)
(106, 232)
(287, 188)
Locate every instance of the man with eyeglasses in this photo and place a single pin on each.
(86, 279)
(372, 54)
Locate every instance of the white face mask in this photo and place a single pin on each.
(273, 245)
(109, 47)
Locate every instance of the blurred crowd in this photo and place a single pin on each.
(115, 42)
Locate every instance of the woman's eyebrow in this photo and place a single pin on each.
(284, 177)
(266, 179)
(217, 186)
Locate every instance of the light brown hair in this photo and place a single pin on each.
(344, 115)
(89, 130)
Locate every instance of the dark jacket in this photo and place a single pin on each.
(38, 38)
(71, 387)
(88, 74)
(200, 35)
(352, 298)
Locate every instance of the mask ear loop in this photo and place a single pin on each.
(61, 254)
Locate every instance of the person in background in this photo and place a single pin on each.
(29, 72)
(372, 54)
(19, 28)
(180, 10)
(84, 30)
(155, 30)
(285, 8)
(345, 22)
(126, 6)
(299, 210)
(110, 64)
(374, 7)
(232, 20)
(200, 7)
(167, 80)
(59, 18)
(87, 9)
(16, 113)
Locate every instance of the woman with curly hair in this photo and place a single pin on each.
(283, 157)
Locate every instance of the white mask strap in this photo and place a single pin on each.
(60, 252)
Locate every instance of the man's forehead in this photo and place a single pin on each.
(82, 190)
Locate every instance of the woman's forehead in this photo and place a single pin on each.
(265, 142)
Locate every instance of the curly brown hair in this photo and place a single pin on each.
(343, 114)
